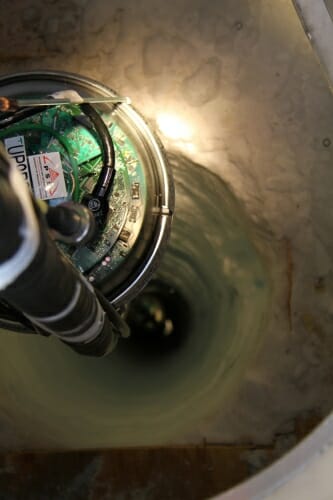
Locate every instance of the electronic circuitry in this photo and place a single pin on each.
(65, 130)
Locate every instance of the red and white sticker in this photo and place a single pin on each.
(47, 176)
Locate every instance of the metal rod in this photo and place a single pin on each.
(9, 103)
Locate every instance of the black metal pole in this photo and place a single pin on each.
(38, 280)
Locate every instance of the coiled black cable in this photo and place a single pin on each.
(104, 183)
(105, 179)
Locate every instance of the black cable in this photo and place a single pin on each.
(105, 180)
(99, 195)
(13, 320)
(104, 183)
(20, 114)
(46, 287)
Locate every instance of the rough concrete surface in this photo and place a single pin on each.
(243, 78)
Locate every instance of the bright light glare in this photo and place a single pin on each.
(173, 127)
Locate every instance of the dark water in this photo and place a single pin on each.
(51, 397)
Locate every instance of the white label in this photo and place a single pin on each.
(47, 176)
(15, 147)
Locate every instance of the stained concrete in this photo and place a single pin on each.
(241, 78)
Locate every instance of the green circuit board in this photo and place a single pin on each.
(64, 130)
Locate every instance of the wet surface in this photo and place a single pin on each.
(235, 87)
